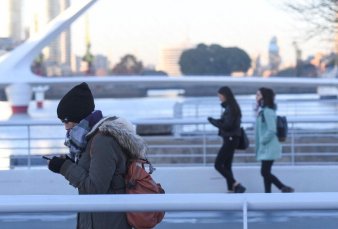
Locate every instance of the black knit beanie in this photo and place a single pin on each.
(76, 105)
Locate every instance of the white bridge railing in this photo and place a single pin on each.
(311, 140)
(169, 202)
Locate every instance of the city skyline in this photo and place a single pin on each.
(145, 28)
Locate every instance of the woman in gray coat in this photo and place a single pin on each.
(99, 149)
(268, 147)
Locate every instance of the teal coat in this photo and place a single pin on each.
(267, 143)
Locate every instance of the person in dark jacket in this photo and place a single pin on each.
(99, 149)
(229, 129)
(268, 147)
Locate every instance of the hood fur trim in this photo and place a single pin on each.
(124, 133)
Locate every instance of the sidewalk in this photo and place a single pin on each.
(181, 180)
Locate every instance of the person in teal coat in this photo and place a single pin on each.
(268, 147)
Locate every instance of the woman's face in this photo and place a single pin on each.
(258, 96)
(221, 97)
(69, 125)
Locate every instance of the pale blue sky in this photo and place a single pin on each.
(143, 27)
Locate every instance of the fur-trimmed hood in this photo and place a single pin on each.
(124, 133)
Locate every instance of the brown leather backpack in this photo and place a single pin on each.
(139, 181)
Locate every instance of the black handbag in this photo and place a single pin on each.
(243, 140)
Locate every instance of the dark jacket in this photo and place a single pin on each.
(104, 156)
(228, 124)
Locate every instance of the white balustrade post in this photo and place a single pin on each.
(178, 113)
(245, 215)
(39, 94)
(19, 96)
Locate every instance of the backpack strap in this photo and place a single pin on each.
(145, 161)
(263, 117)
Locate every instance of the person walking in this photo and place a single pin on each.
(229, 129)
(99, 149)
(268, 147)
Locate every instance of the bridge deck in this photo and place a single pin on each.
(181, 180)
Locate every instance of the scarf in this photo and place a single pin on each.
(76, 137)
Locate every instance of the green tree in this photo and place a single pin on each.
(38, 66)
(213, 60)
(89, 59)
(304, 70)
(128, 65)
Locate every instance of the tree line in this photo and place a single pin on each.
(201, 60)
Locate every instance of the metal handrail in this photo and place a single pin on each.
(169, 202)
(291, 119)
(203, 141)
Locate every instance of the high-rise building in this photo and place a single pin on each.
(101, 65)
(60, 49)
(169, 59)
(15, 24)
(11, 19)
(274, 57)
(58, 53)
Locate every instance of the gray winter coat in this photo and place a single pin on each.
(94, 172)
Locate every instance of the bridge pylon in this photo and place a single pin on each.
(15, 66)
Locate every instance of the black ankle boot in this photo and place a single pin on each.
(287, 189)
(239, 189)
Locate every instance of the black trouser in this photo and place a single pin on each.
(268, 177)
(223, 162)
